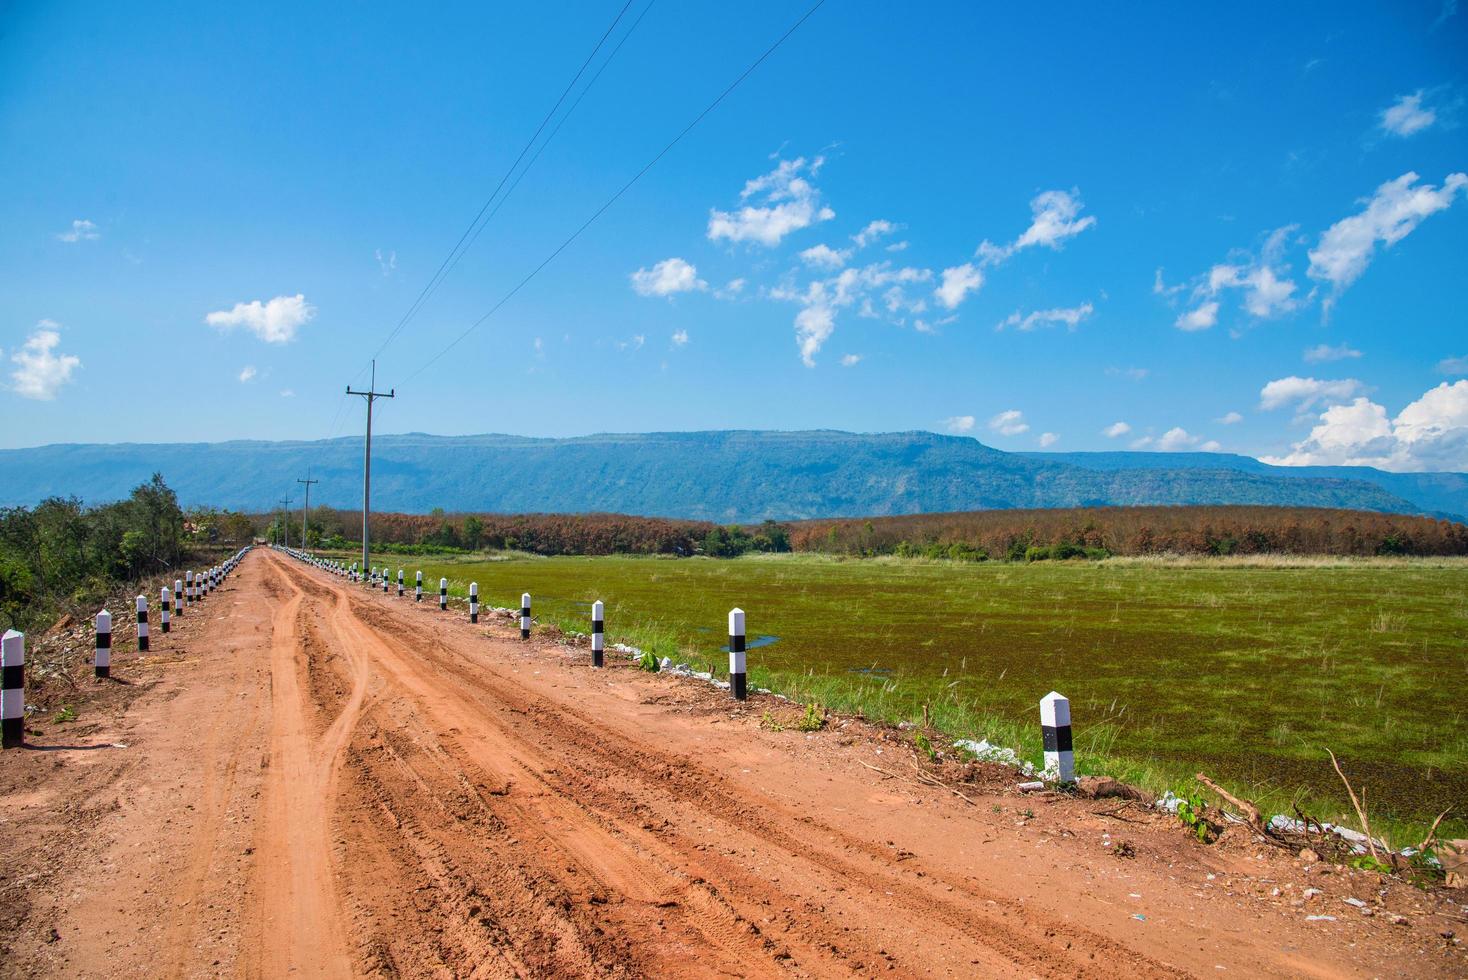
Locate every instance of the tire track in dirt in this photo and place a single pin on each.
(294, 925)
(589, 799)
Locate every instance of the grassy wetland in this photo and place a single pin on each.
(1246, 669)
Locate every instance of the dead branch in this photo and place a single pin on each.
(1360, 807)
(1250, 813)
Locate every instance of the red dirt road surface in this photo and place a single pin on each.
(309, 778)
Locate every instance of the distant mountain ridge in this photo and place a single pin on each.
(725, 476)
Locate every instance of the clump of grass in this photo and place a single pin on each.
(649, 663)
(814, 718)
(925, 746)
(67, 713)
(770, 723)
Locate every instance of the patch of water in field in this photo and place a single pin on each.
(1250, 673)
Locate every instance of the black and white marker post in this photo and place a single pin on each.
(189, 588)
(1060, 760)
(443, 594)
(736, 654)
(178, 590)
(102, 659)
(165, 604)
(142, 624)
(400, 583)
(386, 580)
(525, 616)
(473, 602)
(598, 632)
(12, 697)
(418, 588)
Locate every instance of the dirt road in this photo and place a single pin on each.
(311, 778)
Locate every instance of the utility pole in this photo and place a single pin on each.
(306, 504)
(371, 394)
(285, 518)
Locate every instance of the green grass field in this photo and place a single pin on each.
(1245, 671)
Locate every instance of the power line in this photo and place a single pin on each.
(547, 141)
(624, 188)
(459, 247)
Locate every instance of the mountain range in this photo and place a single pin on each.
(726, 476)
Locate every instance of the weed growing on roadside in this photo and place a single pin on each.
(770, 723)
(814, 719)
(67, 713)
(925, 746)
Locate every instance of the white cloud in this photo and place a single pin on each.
(1131, 373)
(1202, 318)
(40, 371)
(1391, 214)
(958, 282)
(287, 393)
(1324, 353)
(666, 278)
(634, 344)
(1043, 318)
(1161, 288)
(1407, 115)
(1232, 418)
(1009, 423)
(247, 373)
(1175, 439)
(824, 257)
(386, 261)
(850, 360)
(959, 423)
(1431, 434)
(1265, 293)
(731, 289)
(822, 299)
(1056, 218)
(1306, 392)
(873, 231)
(274, 322)
(1142, 442)
(898, 246)
(1453, 365)
(1048, 439)
(1211, 446)
(1116, 430)
(813, 327)
(82, 230)
(680, 338)
(788, 202)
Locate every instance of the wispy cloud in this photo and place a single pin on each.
(680, 338)
(959, 423)
(1453, 365)
(1009, 423)
(850, 360)
(1055, 219)
(1070, 316)
(958, 282)
(1229, 418)
(1116, 430)
(1407, 115)
(82, 230)
(1325, 353)
(40, 371)
(275, 322)
(247, 374)
(785, 201)
(1047, 439)
(1391, 213)
(386, 261)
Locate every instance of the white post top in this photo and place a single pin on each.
(14, 643)
(525, 598)
(104, 621)
(420, 576)
(736, 622)
(473, 588)
(165, 594)
(597, 608)
(142, 603)
(443, 583)
(1055, 710)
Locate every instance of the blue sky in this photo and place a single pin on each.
(1076, 228)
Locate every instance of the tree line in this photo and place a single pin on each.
(61, 553)
(1095, 532)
